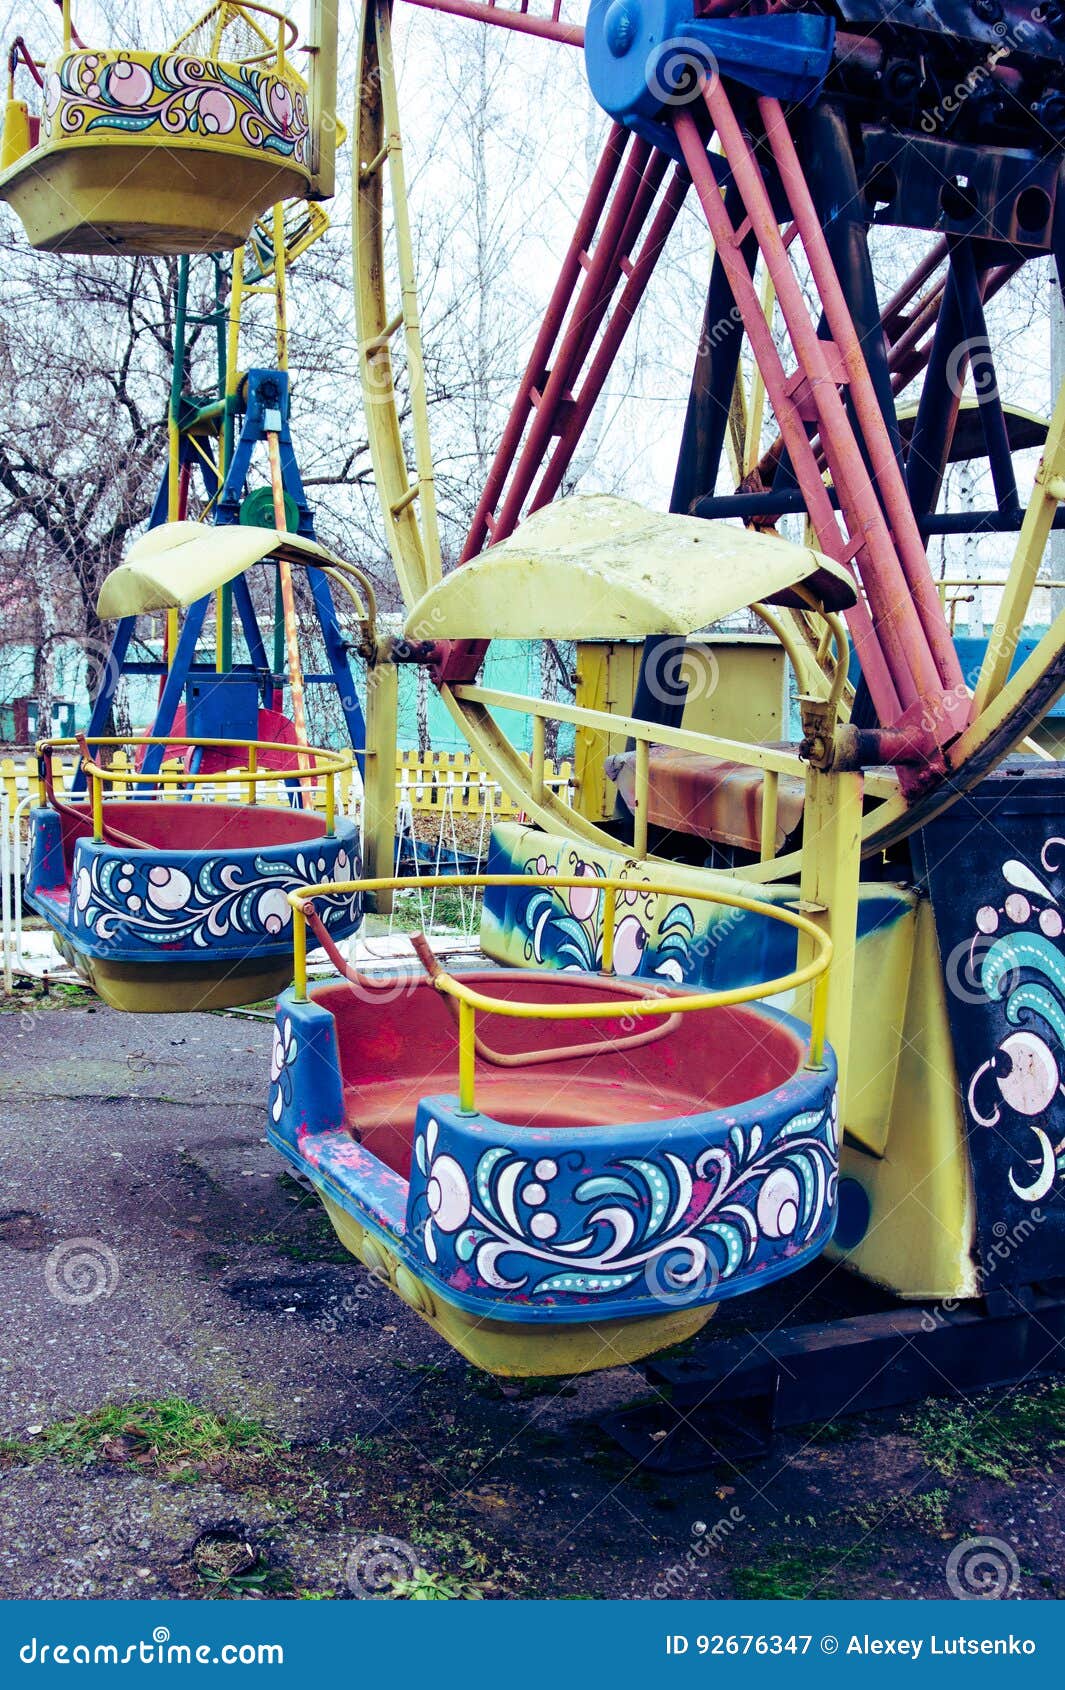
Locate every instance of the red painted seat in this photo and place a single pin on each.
(173, 826)
(410, 1033)
(708, 797)
(273, 726)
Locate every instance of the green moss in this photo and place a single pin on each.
(831, 1433)
(168, 1433)
(996, 1435)
(925, 1510)
(57, 994)
(817, 1575)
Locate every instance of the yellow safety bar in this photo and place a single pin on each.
(318, 763)
(470, 1000)
(226, 11)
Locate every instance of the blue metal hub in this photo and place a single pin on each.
(645, 56)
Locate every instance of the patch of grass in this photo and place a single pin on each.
(222, 1559)
(817, 1575)
(925, 1510)
(367, 1447)
(468, 1577)
(170, 1434)
(831, 1433)
(518, 1390)
(428, 1586)
(58, 994)
(412, 913)
(995, 1436)
(475, 1561)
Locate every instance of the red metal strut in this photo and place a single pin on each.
(904, 645)
(602, 280)
(512, 17)
(903, 642)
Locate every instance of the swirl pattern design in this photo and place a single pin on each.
(173, 98)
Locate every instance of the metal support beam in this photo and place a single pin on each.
(727, 1398)
(191, 629)
(993, 421)
(379, 791)
(828, 158)
(322, 48)
(831, 859)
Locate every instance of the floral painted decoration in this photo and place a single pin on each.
(662, 1225)
(175, 97)
(1015, 958)
(153, 900)
(282, 1058)
(562, 927)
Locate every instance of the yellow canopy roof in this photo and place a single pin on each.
(1023, 429)
(179, 562)
(595, 567)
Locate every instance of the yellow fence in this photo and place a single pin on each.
(454, 780)
(438, 781)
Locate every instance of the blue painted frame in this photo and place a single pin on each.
(565, 1224)
(267, 390)
(164, 907)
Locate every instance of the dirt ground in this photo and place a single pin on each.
(200, 1394)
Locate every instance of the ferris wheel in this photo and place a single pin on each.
(794, 133)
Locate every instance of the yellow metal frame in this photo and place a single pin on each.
(408, 505)
(646, 734)
(814, 972)
(226, 11)
(1006, 709)
(320, 764)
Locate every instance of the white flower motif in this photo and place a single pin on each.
(169, 889)
(273, 910)
(778, 1204)
(446, 1190)
(282, 1056)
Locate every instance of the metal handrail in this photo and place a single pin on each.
(469, 1000)
(287, 33)
(316, 762)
